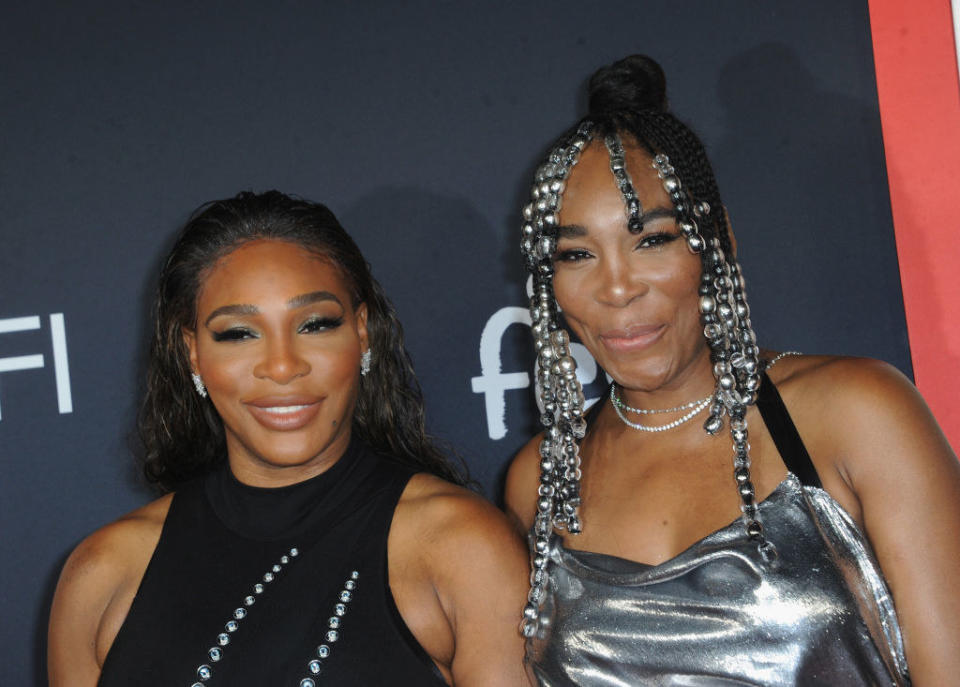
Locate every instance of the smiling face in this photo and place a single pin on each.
(631, 298)
(278, 345)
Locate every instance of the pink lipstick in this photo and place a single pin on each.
(634, 338)
(284, 413)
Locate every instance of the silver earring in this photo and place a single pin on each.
(365, 361)
(198, 384)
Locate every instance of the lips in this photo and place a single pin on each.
(632, 338)
(284, 413)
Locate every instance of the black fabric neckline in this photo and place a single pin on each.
(288, 512)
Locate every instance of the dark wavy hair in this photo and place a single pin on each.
(182, 434)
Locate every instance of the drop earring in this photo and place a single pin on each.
(365, 361)
(198, 384)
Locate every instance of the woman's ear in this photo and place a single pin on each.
(361, 314)
(733, 239)
(190, 341)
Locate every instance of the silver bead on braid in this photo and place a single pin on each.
(725, 316)
(557, 389)
(618, 165)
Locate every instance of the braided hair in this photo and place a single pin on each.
(627, 102)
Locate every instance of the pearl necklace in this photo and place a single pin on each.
(695, 408)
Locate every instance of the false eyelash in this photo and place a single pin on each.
(661, 238)
(233, 334)
(318, 324)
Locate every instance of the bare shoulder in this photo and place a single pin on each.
(458, 571)
(520, 493)
(444, 513)
(443, 530)
(111, 550)
(98, 582)
(906, 479)
(859, 410)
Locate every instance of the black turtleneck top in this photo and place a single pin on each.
(273, 587)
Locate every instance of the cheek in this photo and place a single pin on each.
(570, 290)
(337, 366)
(682, 289)
(222, 370)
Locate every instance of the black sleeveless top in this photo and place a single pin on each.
(281, 586)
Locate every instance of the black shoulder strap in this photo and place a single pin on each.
(784, 433)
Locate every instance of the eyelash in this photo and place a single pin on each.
(661, 238)
(314, 325)
(320, 324)
(654, 240)
(233, 334)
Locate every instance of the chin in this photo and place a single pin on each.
(647, 374)
(287, 449)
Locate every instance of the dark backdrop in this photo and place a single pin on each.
(419, 124)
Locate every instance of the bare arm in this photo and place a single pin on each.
(94, 593)
(907, 481)
(462, 582)
(520, 493)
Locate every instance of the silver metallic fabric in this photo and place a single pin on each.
(718, 614)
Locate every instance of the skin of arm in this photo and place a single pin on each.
(95, 591)
(520, 492)
(458, 573)
(886, 443)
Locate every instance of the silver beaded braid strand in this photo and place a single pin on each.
(556, 387)
(725, 316)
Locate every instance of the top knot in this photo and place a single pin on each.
(633, 84)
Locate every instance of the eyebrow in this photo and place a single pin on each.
(312, 297)
(570, 231)
(292, 304)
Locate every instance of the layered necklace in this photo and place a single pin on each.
(693, 408)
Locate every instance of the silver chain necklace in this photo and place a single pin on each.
(780, 356)
(695, 408)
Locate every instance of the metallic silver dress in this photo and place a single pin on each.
(716, 614)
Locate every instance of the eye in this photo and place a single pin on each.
(316, 325)
(234, 334)
(657, 239)
(571, 255)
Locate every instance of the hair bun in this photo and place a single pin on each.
(633, 84)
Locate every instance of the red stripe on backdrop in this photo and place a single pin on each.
(919, 92)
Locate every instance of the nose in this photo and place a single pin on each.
(617, 284)
(281, 363)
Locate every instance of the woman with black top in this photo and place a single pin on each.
(313, 535)
(842, 568)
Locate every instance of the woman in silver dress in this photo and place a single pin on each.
(842, 567)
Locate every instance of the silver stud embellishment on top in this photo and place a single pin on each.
(315, 666)
(215, 653)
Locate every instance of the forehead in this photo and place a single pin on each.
(592, 195)
(262, 271)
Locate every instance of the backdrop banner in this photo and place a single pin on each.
(419, 124)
